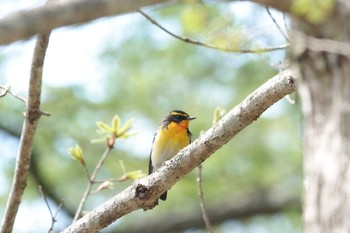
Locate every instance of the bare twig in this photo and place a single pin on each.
(277, 25)
(91, 182)
(144, 192)
(199, 43)
(7, 90)
(285, 21)
(31, 120)
(53, 216)
(201, 196)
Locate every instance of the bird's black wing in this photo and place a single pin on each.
(189, 135)
(150, 167)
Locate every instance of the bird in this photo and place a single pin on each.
(172, 135)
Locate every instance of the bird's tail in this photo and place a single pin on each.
(163, 196)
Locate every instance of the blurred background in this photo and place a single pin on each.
(127, 66)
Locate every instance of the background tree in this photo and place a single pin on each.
(198, 66)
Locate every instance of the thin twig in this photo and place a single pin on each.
(91, 182)
(53, 216)
(277, 25)
(201, 196)
(7, 90)
(231, 50)
(31, 120)
(86, 172)
(285, 21)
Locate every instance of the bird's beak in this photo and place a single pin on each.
(191, 118)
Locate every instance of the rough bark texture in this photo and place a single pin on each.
(325, 95)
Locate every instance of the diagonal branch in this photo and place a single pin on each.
(26, 23)
(32, 116)
(276, 24)
(145, 192)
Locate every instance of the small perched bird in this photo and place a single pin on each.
(172, 135)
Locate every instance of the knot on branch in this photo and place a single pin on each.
(32, 116)
(142, 191)
(291, 81)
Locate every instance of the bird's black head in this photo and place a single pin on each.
(178, 116)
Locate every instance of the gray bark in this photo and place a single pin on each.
(325, 93)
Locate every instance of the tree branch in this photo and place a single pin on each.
(302, 42)
(32, 116)
(91, 181)
(25, 23)
(52, 215)
(145, 192)
(284, 6)
(204, 210)
(277, 25)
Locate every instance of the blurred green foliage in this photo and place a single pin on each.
(315, 11)
(144, 76)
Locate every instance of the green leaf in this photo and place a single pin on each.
(105, 185)
(194, 18)
(115, 123)
(133, 175)
(314, 11)
(104, 127)
(218, 114)
(123, 132)
(77, 153)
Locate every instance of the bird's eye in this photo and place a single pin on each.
(177, 118)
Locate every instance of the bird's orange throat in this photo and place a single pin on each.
(178, 127)
(184, 124)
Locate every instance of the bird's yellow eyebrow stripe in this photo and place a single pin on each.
(178, 114)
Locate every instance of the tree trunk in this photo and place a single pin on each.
(325, 95)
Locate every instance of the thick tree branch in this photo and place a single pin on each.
(26, 23)
(284, 6)
(145, 192)
(32, 116)
(262, 202)
(302, 42)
